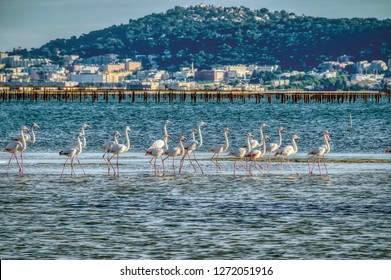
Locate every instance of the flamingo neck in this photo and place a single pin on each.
(294, 145)
(226, 140)
(165, 130)
(32, 135)
(165, 140)
(79, 144)
(264, 146)
(199, 132)
(248, 144)
(116, 139)
(23, 140)
(261, 132)
(181, 147)
(127, 140)
(280, 138)
(326, 142)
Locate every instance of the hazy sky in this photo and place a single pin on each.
(31, 23)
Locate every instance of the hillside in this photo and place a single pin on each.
(208, 36)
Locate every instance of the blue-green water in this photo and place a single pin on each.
(343, 215)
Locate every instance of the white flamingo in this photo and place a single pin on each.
(118, 149)
(160, 143)
(319, 152)
(158, 152)
(107, 146)
(83, 133)
(272, 147)
(220, 148)
(175, 152)
(17, 147)
(255, 143)
(289, 150)
(30, 138)
(240, 153)
(254, 155)
(71, 152)
(191, 146)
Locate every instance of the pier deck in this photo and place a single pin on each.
(35, 93)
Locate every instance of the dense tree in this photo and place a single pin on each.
(208, 35)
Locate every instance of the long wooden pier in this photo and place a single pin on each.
(94, 94)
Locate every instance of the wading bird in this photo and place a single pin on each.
(30, 138)
(319, 152)
(118, 149)
(71, 152)
(272, 147)
(17, 147)
(255, 143)
(289, 150)
(107, 147)
(191, 146)
(175, 152)
(158, 152)
(220, 148)
(254, 155)
(240, 153)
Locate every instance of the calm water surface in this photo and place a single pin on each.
(343, 215)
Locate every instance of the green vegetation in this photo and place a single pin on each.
(210, 36)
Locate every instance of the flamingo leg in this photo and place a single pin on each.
(164, 168)
(73, 173)
(282, 161)
(62, 172)
(258, 167)
(198, 163)
(235, 167)
(320, 172)
(173, 164)
(297, 173)
(324, 162)
(9, 162)
(21, 163)
(195, 170)
(216, 157)
(117, 166)
(181, 163)
(218, 165)
(80, 164)
(309, 168)
(109, 160)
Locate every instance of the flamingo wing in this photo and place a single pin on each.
(158, 144)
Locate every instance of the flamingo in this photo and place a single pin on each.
(16, 147)
(289, 150)
(254, 155)
(220, 148)
(240, 153)
(160, 143)
(75, 143)
(118, 149)
(272, 147)
(319, 152)
(107, 146)
(191, 146)
(71, 152)
(158, 152)
(255, 143)
(176, 151)
(30, 139)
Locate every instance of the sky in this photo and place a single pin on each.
(32, 23)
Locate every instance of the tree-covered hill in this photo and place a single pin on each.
(210, 36)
